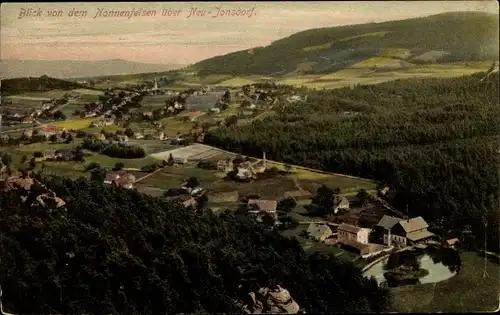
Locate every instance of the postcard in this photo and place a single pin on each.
(257, 157)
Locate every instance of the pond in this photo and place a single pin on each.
(432, 265)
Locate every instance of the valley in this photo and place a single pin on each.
(302, 168)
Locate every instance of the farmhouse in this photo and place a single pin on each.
(225, 165)
(147, 114)
(194, 115)
(352, 233)
(248, 171)
(451, 243)
(49, 130)
(99, 136)
(28, 133)
(138, 135)
(27, 120)
(244, 171)
(405, 232)
(319, 232)
(109, 121)
(268, 206)
(121, 179)
(340, 203)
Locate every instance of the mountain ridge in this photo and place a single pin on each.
(68, 69)
(446, 37)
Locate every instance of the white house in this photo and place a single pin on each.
(347, 232)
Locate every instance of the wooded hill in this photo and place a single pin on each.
(116, 251)
(41, 84)
(435, 141)
(460, 35)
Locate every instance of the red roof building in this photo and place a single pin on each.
(264, 205)
(194, 115)
(49, 130)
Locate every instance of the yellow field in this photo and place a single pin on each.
(329, 45)
(298, 80)
(87, 91)
(236, 81)
(402, 53)
(318, 47)
(76, 124)
(380, 62)
(173, 125)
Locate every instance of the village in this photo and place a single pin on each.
(362, 225)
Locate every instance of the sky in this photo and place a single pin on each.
(184, 38)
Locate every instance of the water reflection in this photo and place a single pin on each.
(417, 266)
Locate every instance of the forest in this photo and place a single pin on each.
(43, 83)
(434, 141)
(465, 35)
(116, 251)
(116, 150)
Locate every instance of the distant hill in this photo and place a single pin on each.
(65, 69)
(455, 36)
(43, 83)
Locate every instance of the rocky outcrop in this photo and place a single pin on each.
(274, 300)
(26, 183)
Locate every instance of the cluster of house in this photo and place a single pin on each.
(94, 109)
(49, 130)
(397, 232)
(120, 179)
(187, 195)
(296, 98)
(245, 170)
(60, 155)
(192, 116)
(108, 121)
(47, 106)
(29, 119)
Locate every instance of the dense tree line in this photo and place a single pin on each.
(116, 150)
(116, 251)
(41, 84)
(435, 141)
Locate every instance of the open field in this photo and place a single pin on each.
(76, 124)
(88, 92)
(151, 102)
(110, 128)
(308, 178)
(361, 73)
(172, 177)
(236, 81)
(20, 106)
(193, 152)
(73, 169)
(466, 292)
(173, 125)
(153, 146)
